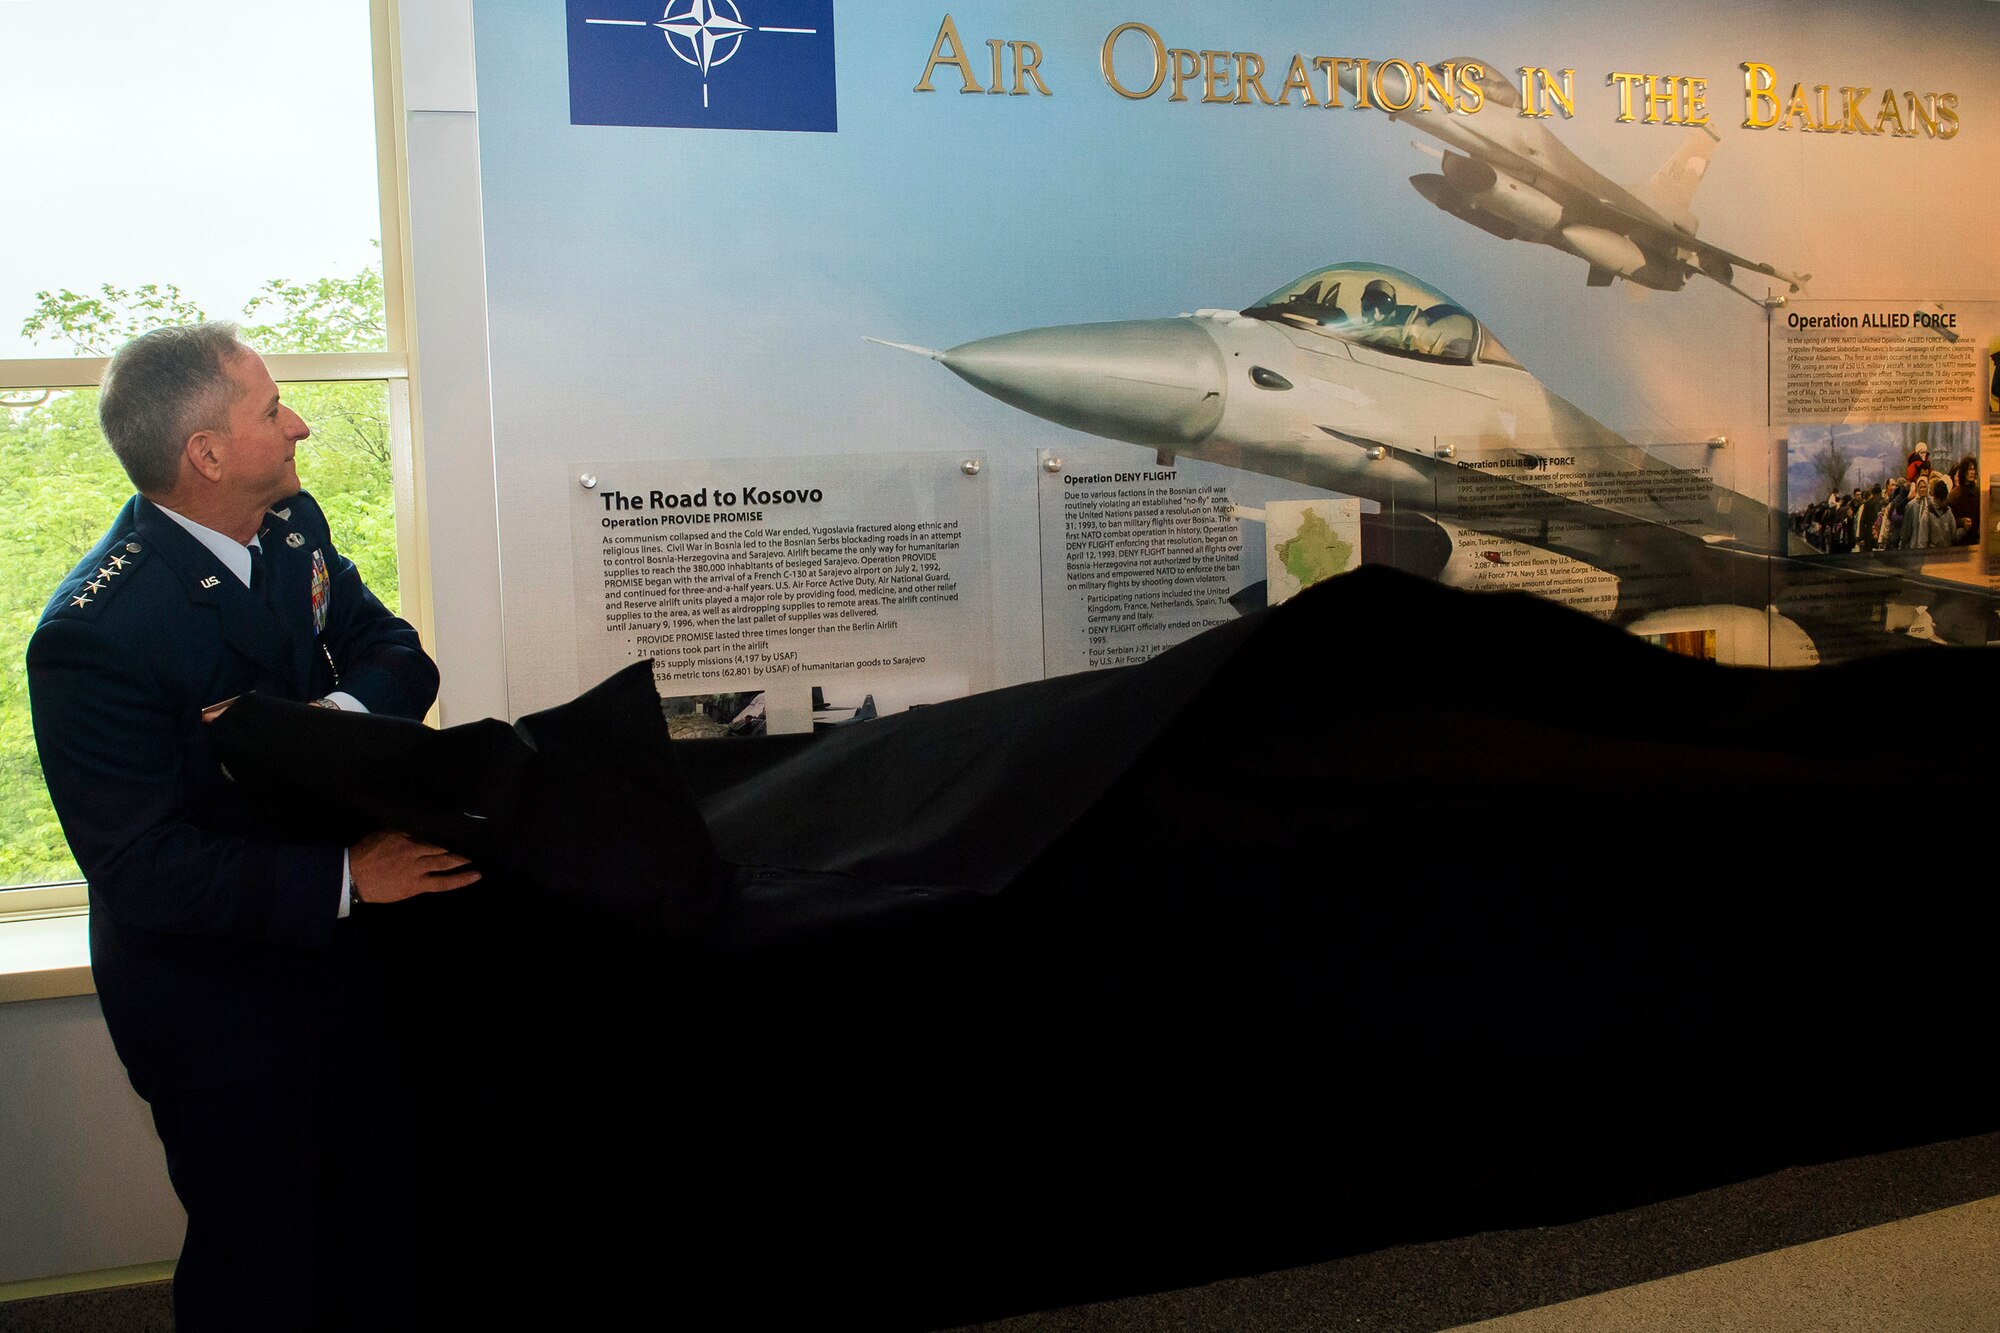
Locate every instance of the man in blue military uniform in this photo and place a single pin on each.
(222, 935)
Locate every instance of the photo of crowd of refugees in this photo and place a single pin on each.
(1883, 488)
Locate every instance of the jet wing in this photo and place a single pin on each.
(1647, 525)
(1665, 546)
(1711, 261)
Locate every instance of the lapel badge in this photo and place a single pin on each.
(321, 585)
(210, 581)
(294, 540)
(132, 547)
(285, 513)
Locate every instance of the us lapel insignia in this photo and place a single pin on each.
(210, 581)
(285, 513)
(321, 585)
(295, 540)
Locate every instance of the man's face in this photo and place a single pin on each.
(260, 437)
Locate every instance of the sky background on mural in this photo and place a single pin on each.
(215, 147)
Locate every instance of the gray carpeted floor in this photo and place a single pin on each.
(1413, 1288)
(1426, 1288)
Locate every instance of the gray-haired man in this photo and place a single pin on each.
(222, 936)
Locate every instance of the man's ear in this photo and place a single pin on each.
(203, 453)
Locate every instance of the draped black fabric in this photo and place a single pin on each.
(1391, 912)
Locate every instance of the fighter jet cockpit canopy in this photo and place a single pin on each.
(1384, 308)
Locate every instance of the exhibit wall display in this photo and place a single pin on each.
(1171, 309)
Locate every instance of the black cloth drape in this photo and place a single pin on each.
(1391, 912)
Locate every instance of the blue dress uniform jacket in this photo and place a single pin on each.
(212, 932)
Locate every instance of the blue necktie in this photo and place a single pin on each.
(260, 582)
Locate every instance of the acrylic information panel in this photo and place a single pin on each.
(780, 595)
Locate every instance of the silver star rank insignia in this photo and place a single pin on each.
(80, 600)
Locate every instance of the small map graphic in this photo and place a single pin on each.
(1309, 540)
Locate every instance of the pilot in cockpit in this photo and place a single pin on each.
(1378, 304)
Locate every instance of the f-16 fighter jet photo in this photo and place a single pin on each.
(1362, 379)
(1511, 176)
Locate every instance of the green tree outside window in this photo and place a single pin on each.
(60, 486)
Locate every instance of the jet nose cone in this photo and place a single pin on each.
(1151, 381)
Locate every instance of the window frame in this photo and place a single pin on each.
(391, 367)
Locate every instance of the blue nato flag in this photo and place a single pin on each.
(703, 64)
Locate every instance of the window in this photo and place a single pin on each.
(225, 159)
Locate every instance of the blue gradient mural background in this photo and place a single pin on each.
(681, 293)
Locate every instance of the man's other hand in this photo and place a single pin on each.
(388, 866)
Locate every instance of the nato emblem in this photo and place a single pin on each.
(702, 64)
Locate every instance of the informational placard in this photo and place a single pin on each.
(832, 587)
(1483, 562)
(1883, 403)
(1136, 556)
(1881, 360)
(1606, 528)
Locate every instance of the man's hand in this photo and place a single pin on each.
(388, 867)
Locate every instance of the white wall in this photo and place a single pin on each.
(447, 323)
(83, 1182)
